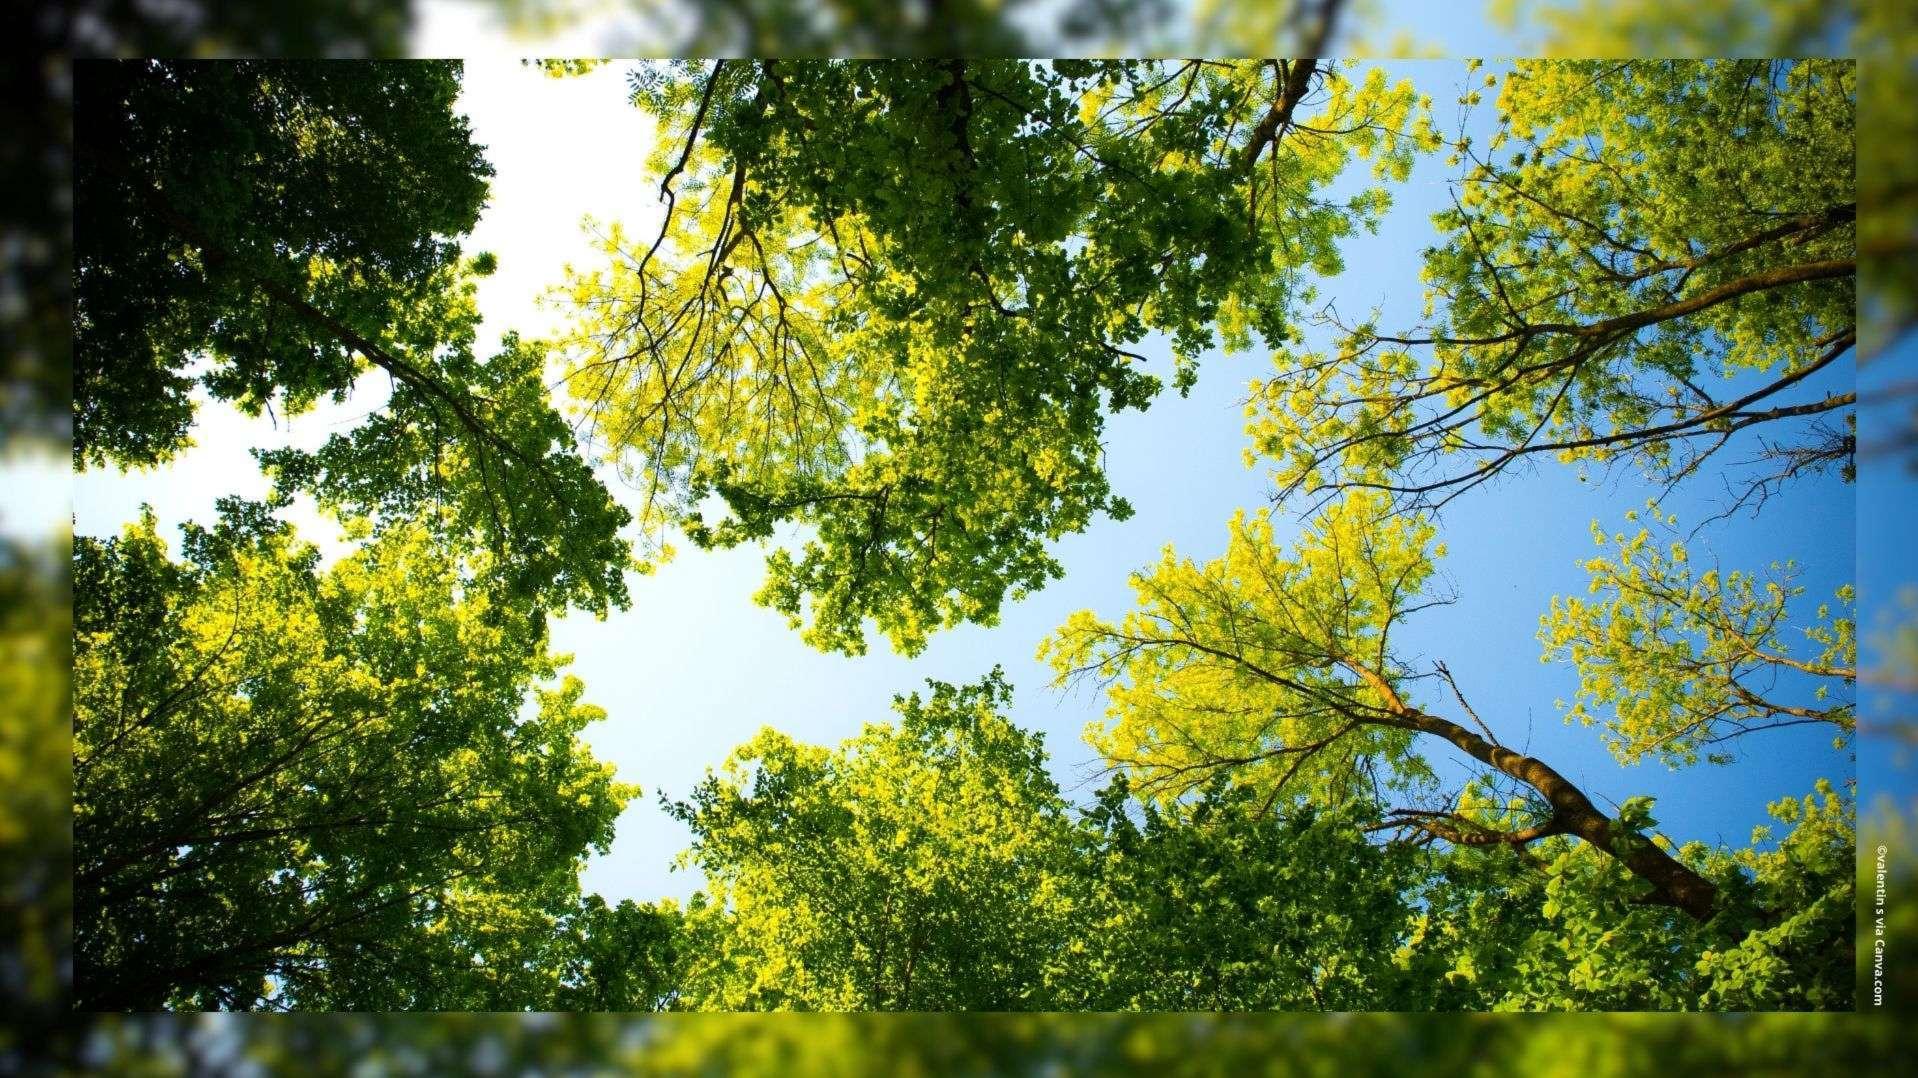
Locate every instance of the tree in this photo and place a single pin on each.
(282, 226)
(1206, 905)
(317, 788)
(1879, 38)
(1556, 929)
(1279, 670)
(893, 302)
(1629, 234)
(921, 866)
(624, 957)
(202, 189)
(1688, 659)
(1794, 948)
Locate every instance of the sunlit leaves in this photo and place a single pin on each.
(1236, 663)
(918, 866)
(1793, 957)
(317, 788)
(1642, 259)
(1686, 656)
(478, 453)
(894, 302)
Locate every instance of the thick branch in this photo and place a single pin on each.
(1572, 811)
(1295, 79)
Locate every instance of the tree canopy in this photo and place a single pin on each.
(1642, 260)
(1208, 904)
(362, 779)
(203, 188)
(890, 308)
(1281, 663)
(279, 227)
(918, 866)
(1694, 657)
(895, 301)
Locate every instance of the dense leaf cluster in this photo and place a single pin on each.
(335, 787)
(895, 302)
(262, 233)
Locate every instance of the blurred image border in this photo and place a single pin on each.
(39, 1034)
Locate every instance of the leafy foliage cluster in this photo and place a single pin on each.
(280, 227)
(1642, 260)
(354, 806)
(916, 867)
(895, 301)
(1682, 655)
(183, 220)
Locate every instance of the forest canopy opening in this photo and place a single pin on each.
(904, 328)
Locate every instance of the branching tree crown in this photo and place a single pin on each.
(920, 866)
(1278, 665)
(1689, 657)
(894, 302)
(1642, 260)
(282, 226)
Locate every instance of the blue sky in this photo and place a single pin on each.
(694, 667)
